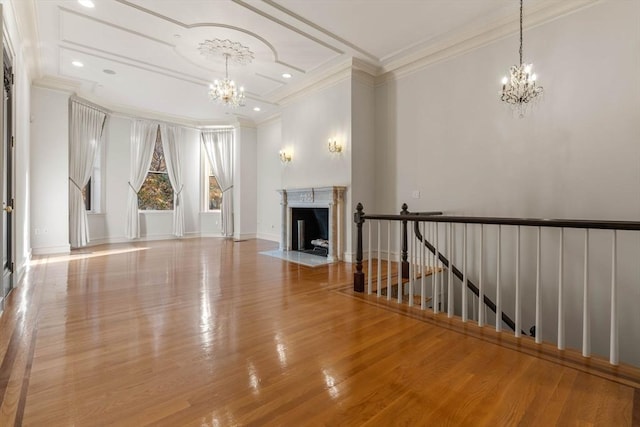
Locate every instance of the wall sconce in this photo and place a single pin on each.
(334, 147)
(284, 156)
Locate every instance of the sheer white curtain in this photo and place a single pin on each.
(218, 145)
(85, 139)
(172, 137)
(143, 138)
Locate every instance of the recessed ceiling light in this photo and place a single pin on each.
(108, 71)
(286, 75)
(177, 36)
(77, 64)
(87, 3)
(256, 108)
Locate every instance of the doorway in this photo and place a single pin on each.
(6, 178)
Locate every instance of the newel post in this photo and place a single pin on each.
(358, 275)
(405, 262)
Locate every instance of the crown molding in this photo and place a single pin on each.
(330, 76)
(73, 88)
(58, 83)
(26, 22)
(269, 120)
(243, 123)
(405, 63)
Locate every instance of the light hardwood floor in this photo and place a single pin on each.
(208, 332)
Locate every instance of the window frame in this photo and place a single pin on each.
(96, 182)
(158, 141)
(206, 172)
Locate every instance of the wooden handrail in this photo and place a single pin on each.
(528, 222)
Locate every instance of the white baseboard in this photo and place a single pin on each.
(244, 236)
(122, 239)
(211, 235)
(268, 236)
(50, 250)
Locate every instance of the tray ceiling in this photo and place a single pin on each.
(143, 54)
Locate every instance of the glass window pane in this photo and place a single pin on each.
(157, 161)
(215, 193)
(156, 193)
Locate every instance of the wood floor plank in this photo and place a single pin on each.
(210, 332)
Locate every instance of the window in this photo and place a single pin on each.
(92, 192)
(212, 194)
(156, 193)
(86, 195)
(215, 193)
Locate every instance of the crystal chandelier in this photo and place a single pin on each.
(226, 91)
(520, 90)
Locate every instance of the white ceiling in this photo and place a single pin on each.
(152, 45)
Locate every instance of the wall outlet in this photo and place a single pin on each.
(415, 194)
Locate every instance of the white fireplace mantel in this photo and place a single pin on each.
(321, 197)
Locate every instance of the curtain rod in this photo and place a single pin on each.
(82, 101)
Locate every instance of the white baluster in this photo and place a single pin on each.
(498, 286)
(586, 321)
(450, 279)
(436, 299)
(379, 292)
(561, 340)
(465, 301)
(480, 281)
(423, 283)
(399, 260)
(613, 344)
(518, 330)
(389, 259)
(538, 292)
(370, 264)
(432, 261)
(411, 248)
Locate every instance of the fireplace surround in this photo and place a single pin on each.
(320, 197)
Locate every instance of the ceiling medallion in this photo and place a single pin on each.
(226, 91)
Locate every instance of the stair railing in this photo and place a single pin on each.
(412, 262)
(456, 272)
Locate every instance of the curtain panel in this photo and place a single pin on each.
(218, 145)
(85, 140)
(143, 138)
(172, 137)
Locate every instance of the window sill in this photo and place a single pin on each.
(96, 213)
(216, 212)
(147, 212)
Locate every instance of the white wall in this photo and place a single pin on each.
(443, 131)
(270, 174)
(303, 129)
(49, 167)
(363, 172)
(244, 182)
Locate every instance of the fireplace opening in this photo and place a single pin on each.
(310, 230)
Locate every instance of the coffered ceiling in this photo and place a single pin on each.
(142, 55)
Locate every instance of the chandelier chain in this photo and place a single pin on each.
(521, 32)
